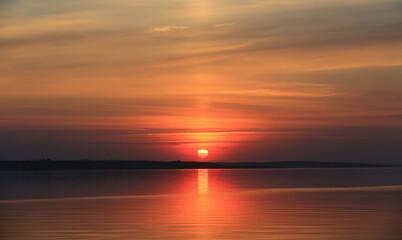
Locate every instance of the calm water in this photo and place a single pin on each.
(202, 204)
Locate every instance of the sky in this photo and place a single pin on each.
(256, 80)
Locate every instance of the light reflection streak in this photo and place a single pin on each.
(202, 181)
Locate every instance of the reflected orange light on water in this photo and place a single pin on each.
(206, 201)
(204, 207)
(202, 181)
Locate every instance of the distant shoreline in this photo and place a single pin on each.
(46, 164)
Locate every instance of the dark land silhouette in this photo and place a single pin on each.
(48, 164)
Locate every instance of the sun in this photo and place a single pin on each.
(203, 153)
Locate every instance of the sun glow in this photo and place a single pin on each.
(203, 153)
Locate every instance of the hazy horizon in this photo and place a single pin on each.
(207, 161)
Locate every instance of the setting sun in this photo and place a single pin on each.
(203, 153)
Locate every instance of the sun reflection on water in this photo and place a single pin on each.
(202, 181)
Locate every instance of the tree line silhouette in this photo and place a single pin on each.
(48, 164)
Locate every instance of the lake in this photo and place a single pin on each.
(283, 204)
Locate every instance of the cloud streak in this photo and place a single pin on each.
(168, 28)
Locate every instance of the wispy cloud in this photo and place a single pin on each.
(220, 25)
(293, 90)
(168, 28)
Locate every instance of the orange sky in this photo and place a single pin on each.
(248, 80)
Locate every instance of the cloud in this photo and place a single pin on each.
(291, 90)
(168, 28)
(220, 25)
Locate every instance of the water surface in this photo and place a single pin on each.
(202, 204)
